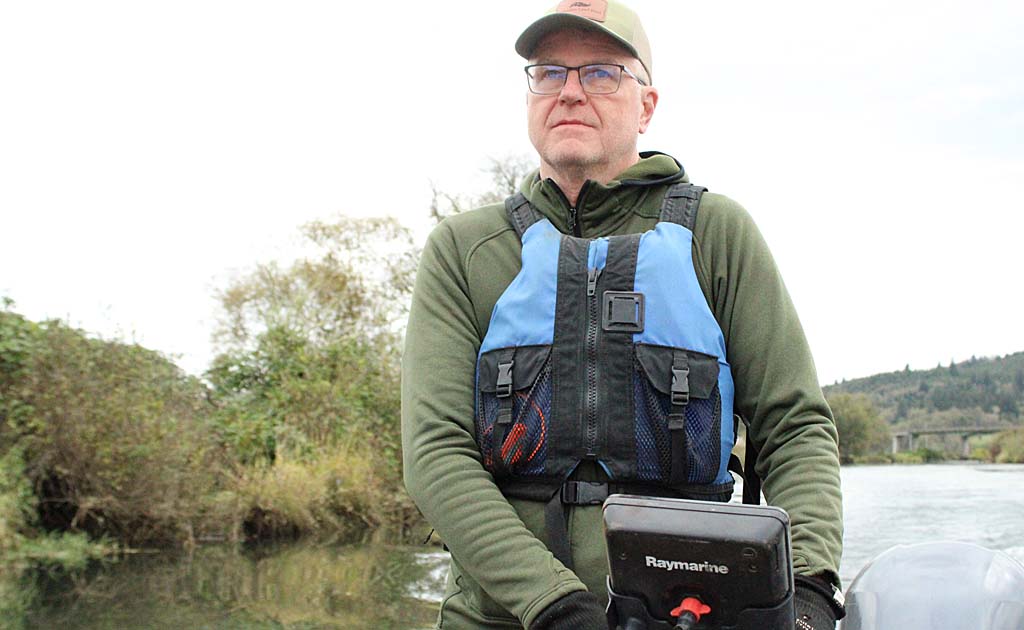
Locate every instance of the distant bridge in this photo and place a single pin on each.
(904, 440)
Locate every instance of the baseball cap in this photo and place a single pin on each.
(604, 16)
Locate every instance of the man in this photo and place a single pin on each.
(469, 470)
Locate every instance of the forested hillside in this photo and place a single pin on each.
(987, 391)
(984, 393)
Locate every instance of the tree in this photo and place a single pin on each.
(111, 437)
(861, 428)
(355, 285)
(505, 174)
(902, 409)
(1008, 406)
(310, 350)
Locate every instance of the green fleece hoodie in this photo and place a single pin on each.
(502, 574)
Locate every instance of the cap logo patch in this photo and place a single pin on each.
(595, 10)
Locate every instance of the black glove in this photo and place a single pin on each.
(579, 610)
(816, 606)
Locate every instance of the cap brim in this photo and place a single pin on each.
(535, 32)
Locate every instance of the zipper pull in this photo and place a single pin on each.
(572, 220)
(592, 275)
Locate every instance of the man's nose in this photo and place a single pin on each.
(572, 91)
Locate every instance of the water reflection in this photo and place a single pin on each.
(300, 586)
(304, 586)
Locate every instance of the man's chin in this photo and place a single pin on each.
(573, 160)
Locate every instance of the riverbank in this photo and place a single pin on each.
(334, 497)
(302, 584)
(107, 446)
(1006, 447)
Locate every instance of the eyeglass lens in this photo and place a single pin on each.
(597, 78)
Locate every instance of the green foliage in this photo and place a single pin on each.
(294, 395)
(309, 368)
(296, 431)
(310, 351)
(919, 456)
(354, 285)
(986, 391)
(1008, 447)
(21, 544)
(18, 337)
(873, 458)
(861, 429)
(113, 436)
(17, 502)
(980, 454)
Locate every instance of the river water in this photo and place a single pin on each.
(306, 586)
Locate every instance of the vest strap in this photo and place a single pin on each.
(681, 203)
(735, 465)
(751, 480)
(595, 493)
(555, 514)
(588, 492)
(555, 517)
(504, 387)
(520, 213)
(680, 397)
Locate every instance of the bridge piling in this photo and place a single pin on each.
(906, 438)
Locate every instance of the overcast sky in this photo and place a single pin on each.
(150, 151)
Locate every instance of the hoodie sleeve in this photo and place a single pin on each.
(442, 466)
(777, 390)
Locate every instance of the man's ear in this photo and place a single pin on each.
(649, 101)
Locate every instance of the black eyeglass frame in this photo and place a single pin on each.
(622, 69)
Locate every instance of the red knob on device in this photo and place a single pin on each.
(691, 605)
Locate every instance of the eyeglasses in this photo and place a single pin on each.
(596, 78)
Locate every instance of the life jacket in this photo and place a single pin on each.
(606, 350)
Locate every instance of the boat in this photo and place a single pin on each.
(932, 585)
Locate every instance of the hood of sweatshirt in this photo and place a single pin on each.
(601, 209)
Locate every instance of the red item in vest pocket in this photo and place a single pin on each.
(514, 441)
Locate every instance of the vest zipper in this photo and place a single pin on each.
(574, 219)
(590, 403)
(574, 212)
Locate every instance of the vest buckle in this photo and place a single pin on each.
(503, 387)
(680, 385)
(584, 492)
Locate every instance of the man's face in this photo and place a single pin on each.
(590, 134)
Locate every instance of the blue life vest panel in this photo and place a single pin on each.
(606, 350)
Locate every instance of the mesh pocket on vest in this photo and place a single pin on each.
(524, 449)
(654, 441)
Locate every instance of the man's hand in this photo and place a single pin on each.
(815, 607)
(579, 610)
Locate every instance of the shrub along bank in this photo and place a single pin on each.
(1007, 447)
(293, 431)
(106, 444)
